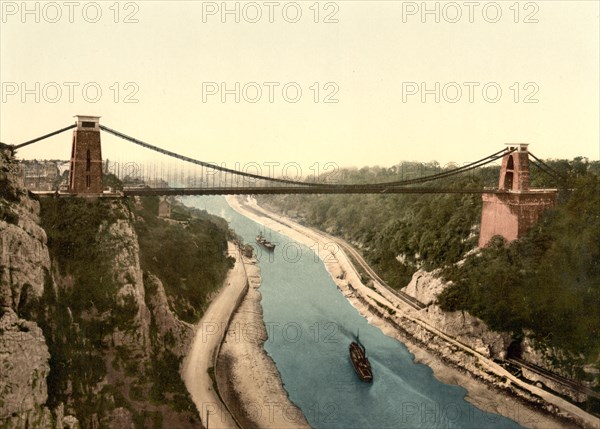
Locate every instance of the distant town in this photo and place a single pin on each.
(45, 175)
(53, 175)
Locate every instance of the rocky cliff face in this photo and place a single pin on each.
(469, 330)
(425, 286)
(81, 345)
(24, 274)
(24, 260)
(168, 326)
(556, 361)
(23, 370)
(122, 239)
(473, 332)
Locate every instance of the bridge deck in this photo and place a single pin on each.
(367, 189)
(296, 190)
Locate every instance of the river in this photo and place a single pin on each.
(310, 325)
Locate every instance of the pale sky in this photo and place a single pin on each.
(374, 61)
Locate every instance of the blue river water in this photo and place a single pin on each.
(310, 326)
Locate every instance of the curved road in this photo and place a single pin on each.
(209, 334)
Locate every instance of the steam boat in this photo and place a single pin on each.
(260, 239)
(360, 362)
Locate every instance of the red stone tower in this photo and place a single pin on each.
(514, 208)
(85, 175)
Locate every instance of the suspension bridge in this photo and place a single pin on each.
(508, 209)
(87, 170)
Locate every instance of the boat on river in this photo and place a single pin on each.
(360, 362)
(260, 239)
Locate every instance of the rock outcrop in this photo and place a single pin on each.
(425, 286)
(23, 370)
(469, 330)
(121, 238)
(172, 333)
(24, 273)
(24, 258)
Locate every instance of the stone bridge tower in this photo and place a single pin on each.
(514, 208)
(85, 174)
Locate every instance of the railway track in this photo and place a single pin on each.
(554, 377)
(413, 302)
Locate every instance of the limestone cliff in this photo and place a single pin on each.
(122, 239)
(23, 371)
(168, 326)
(24, 261)
(24, 275)
(469, 330)
(86, 337)
(425, 286)
(473, 332)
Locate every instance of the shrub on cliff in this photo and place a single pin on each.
(189, 256)
(72, 226)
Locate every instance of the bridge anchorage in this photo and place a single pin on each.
(508, 210)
